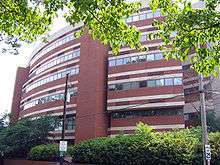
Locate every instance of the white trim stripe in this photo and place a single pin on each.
(48, 89)
(48, 110)
(134, 54)
(145, 98)
(55, 54)
(128, 49)
(150, 105)
(170, 126)
(133, 72)
(145, 78)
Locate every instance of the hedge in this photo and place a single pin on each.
(171, 148)
(49, 152)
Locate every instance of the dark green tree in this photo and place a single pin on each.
(17, 139)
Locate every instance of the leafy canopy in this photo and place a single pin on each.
(185, 28)
(196, 30)
(16, 140)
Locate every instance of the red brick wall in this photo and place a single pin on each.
(91, 116)
(21, 78)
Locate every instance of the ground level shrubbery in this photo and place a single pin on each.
(170, 148)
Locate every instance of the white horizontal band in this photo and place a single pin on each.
(145, 78)
(170, 126)
(49, 110)
(133, 72)
(145, 98)
(150, 105)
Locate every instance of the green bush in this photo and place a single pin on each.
(49, 152)
(170, 148)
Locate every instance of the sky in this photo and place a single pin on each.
(9, 64)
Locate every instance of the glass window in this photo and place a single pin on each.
(134, 85)
(151, 83)
(126, 86)
(168, 81)
(119, 61)
(149, 15)
(177, 81)
(150, 57)
(136, 18)
(134, 59)
(127, 60)
(157, 13)
(111, 87)
(160, 82)
(129, 19)
(143, 38)
(142, 84)
(143, 16)
(158, 56)
(142, 58)
(119, 86)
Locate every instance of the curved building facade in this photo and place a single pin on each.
(109, 94)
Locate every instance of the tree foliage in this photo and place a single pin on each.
(16, 140)
(196, 30)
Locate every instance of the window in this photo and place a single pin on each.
(150, 57)
(142, 84)
(177, 81)
(158, 56)
(111, 87)
(134, 85)
(127, 60)
(143, 38)
(70, 125)
(119, 86)
(126, 86)
(150, 15)
(129, 19)
(142, 58)
(136, 18)
(112, 63)
(143, 16)
(151, 83)
(157, 13)
(168, 81)
(160, 82)
(119, 61)
(134, 59)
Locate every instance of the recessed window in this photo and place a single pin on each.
(119, 61)
(126, 86)
(177, 81)
(143, 16)
(150, 57)
(160, 82)
(151, 83)
(157, 13)
(112, 63)
(119, 86)
(143, 84)
(150, 15)
(143, 38)
(142, 58)
(134, 59)
(127, 60)
(158, 56)
(134, 85)
(136, 18)
(168, 81)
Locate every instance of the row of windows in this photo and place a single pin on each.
(56, 61)
(70, 124)
(136, 59)
(58, 75)
(146, 83)
(60, 96)
(143, 16)
(153, 112)
(53, 45)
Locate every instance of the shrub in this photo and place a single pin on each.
(49, 152)
(169, 148)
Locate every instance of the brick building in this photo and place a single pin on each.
(109, 93)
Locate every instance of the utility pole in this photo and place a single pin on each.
(203, 119)
(64, 116)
